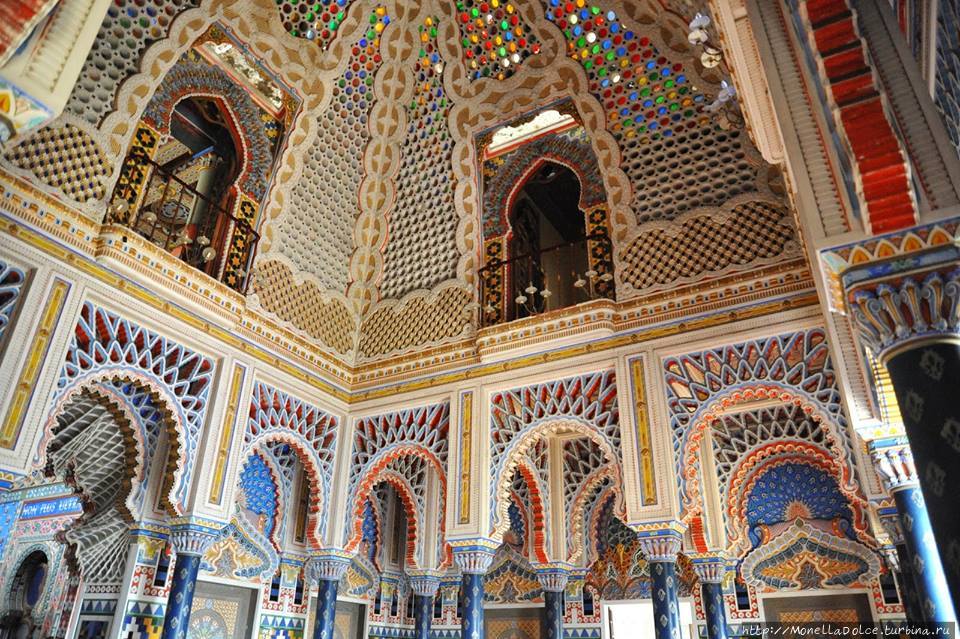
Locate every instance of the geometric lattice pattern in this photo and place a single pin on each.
(734, 435)
(424, 207)
(755, 231)
(12, 281)
(128, 28)
(316, 21)
(421, 321)
(332, 170)
(304, 306)
(947, 84)
(655, 112)
(67, 158)
(104, 341)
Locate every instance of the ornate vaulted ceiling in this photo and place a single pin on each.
(371, 230)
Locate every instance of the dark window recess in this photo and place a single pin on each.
(888, 588)
(275, 587)
(588, 603)
(298, 592)
(163, 568)
(743, 595)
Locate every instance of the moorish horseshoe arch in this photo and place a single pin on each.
(790, 367)
(405, 492)
(699, 424)
(311, 463)
(6, 589)
(374, 472)
(96, 384)
(520, 445)
(311, 432)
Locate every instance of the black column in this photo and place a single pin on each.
(926, 380)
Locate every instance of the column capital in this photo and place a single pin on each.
(328, 564)
(660, 541)
(553, 576)
(474, 556)
(423, 582)
(711, 567)
(894, 465)
(192, 536)
(892, 310)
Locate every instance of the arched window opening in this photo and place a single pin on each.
(189, 195)
(30, 581)
(548, 247)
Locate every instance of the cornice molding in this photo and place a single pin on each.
(125, 262)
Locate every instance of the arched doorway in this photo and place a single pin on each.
(26, 591)
(548, 250)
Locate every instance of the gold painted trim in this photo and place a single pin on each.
(226, 434)
(648, 480)
(466, 439)
(33, 364)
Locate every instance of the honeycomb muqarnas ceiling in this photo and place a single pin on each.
(371, 232)
(384, 218)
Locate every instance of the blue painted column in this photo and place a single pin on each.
(424, 584)
(553, 579)
(711, 568)
(190, 541)
(474, 560)
(894, 463)
(327, 567)
(661, 548)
